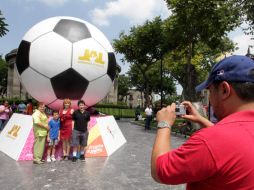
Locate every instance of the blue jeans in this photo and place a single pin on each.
(148, 121)
(2, 124)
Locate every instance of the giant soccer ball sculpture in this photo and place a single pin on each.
(66, 57)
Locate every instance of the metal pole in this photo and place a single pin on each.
(161, 83)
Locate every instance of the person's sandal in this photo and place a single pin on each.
(38, 162)
(74, 159)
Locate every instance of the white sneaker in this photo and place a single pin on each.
(53, 158)
(48, 159)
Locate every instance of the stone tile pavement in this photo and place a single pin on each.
(128, 168)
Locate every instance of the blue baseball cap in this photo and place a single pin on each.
(236, 68)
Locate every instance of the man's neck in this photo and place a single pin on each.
(246, 106)
(236, 105)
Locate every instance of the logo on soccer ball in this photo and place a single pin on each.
(92, 57)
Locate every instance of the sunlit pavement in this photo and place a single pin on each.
(128, 168)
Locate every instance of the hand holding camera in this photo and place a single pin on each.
(194, 116)
(184, 110)
(167, 114)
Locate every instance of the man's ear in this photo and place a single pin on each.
(225, 90)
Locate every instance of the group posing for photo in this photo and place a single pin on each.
(68, 126)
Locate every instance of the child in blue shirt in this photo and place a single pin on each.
(53, 136)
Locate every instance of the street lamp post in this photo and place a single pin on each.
(249, 54)
(161, 82)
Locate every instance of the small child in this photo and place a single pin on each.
(53, 136)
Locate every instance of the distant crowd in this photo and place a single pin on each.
(6, 110)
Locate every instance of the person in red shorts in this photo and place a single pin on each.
(29, 108)
(66, 126)
(220, 156)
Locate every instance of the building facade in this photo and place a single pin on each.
(135, 98)
(14, 87)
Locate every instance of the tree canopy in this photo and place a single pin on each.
(202, 20)
(194, 23)
(189, 41)
(154, 80)
(202, 61)
(124, 85)
(142, 47)
(3, 25)
(3, 73)
(247, 14)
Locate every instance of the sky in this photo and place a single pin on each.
(111, 17)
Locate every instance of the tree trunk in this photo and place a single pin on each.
(190, 78)
(142, 104)
(146, 93)
(146, 90)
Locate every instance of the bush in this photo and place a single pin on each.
(117, 113)
(16, 100)
(119, 106)
(10, 100)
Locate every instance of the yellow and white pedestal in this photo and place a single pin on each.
(105, 137)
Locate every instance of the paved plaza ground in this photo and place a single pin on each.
(128, 168)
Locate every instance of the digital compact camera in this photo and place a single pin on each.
(180, 110)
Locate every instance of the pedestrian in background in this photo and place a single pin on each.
(137, 113)
(149, 116)
(22, 107)
(29, 108)
(5, 112)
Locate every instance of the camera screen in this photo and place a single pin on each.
(177, 109)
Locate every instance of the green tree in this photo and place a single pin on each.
(167, 84)
(3, 25)
(142, 47)
(195, 22)
(203, 59)
(153, 80)
(247, 14)
(123, 86)
(3, 75)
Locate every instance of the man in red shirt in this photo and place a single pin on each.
(219, 156)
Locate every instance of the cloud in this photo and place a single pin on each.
(136, 11)
(50, 3)
(54, 3)
(243, 42)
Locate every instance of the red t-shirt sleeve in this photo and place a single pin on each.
(191, 162)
